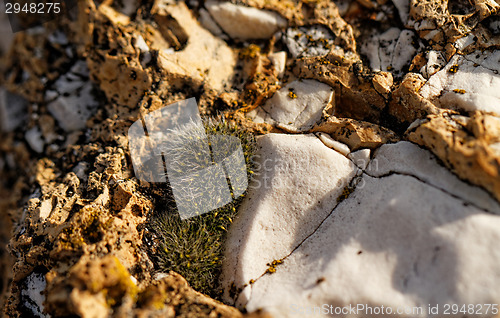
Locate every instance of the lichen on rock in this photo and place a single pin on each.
(339, 95)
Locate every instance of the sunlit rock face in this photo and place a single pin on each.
(408, 233)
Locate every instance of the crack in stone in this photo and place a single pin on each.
(391, 173)
(300, 243)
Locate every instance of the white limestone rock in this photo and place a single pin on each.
(467, 83)
(435, 61)
(334, 144)
(34, 138)
(408, 236)
(298, 105)
(245, 23)
(32, 294)
(13, 110)
(403, 7)
(409, 159)
(308, 41)
(208, 22)
(295, 189)
(73, 110)
(360, 158)
(279, 62)
(70, 100)
(391, 51)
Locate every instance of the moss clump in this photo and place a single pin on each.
(194, 247)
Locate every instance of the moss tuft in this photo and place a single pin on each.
(194, 247)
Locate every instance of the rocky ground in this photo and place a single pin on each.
(376, 178)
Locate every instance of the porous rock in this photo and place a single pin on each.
(465, 144)
(356, 134)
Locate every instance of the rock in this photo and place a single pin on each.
(308, 41)
(403, 7)
(176, 299)
(279, 62)
(360, 158)
(244, 23)
(421, 241)
(408, 159)
(32, 294)
(391, 51)
(6, 34)
(471, 157)
(435, 61)
(72, 111)
(382, 82)
(273, 219)
(13, 110)
(332, 143)
(208, 22)
(467, 83)
(34, 139)
(299, 105)
(71, 100)
(215, 65)
(407, 105)
(356, 134)
(364, 221)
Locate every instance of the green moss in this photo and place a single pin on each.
(194, 247)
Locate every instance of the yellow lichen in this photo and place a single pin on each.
(453, 68)
(250, 52)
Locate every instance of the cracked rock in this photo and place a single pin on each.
(466, 145)
(406, 235)
(244, 23)
(296, 187)
(298, 105)
(467, 83)
(73, 110)
(391, 51)
(308, 41)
